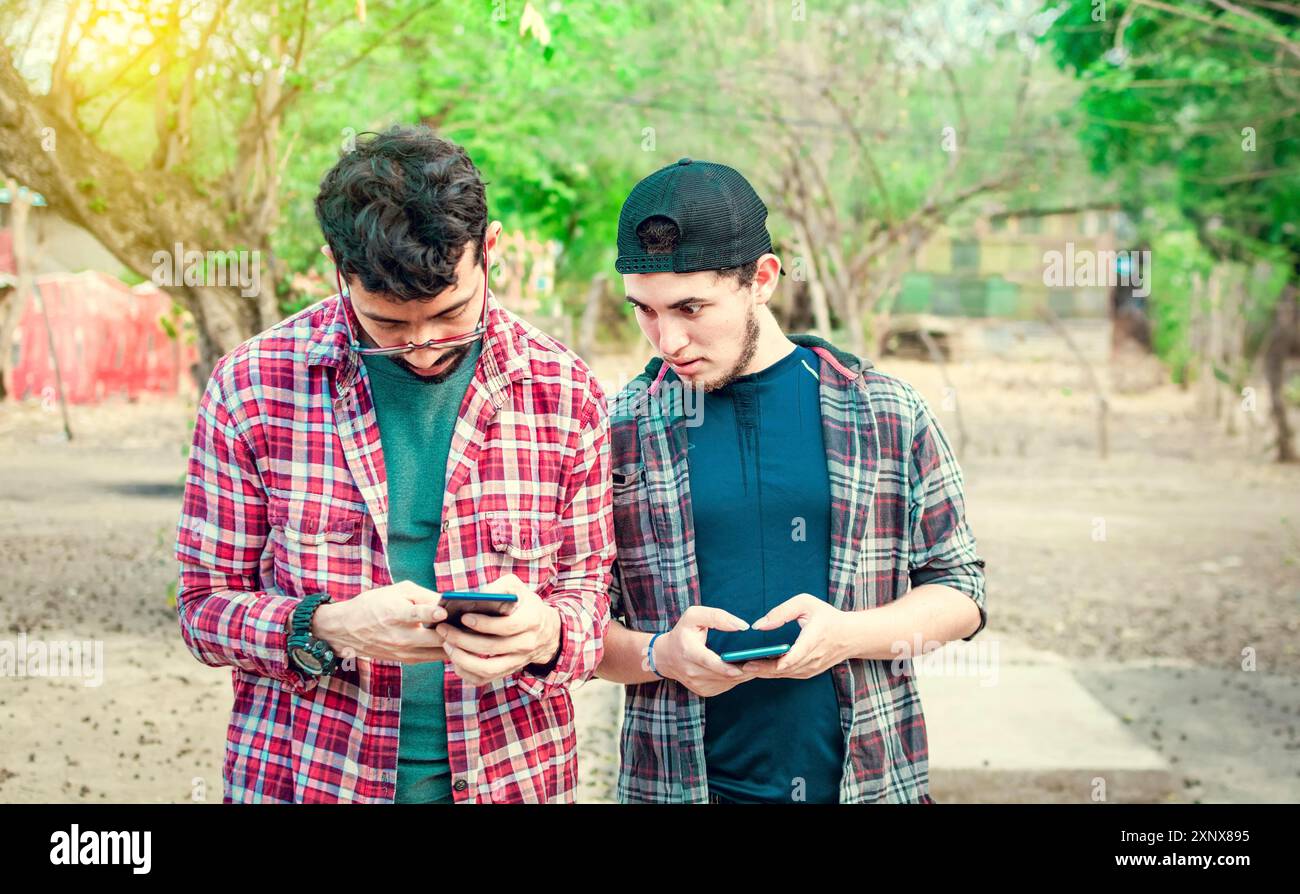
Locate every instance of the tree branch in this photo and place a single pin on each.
(1217, 22)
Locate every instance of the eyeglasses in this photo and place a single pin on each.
(454, 341)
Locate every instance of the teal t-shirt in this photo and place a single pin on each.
(416, 420)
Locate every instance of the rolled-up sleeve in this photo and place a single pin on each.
(581, 590)
(942, 547)
(226, 617)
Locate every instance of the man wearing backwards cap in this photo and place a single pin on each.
(813, 501)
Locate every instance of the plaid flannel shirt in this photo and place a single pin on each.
(897, 521)
(286, 496)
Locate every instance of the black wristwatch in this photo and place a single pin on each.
(309, 656)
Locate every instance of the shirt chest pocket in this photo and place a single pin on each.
(525, 544)
(319, 548)
(524, 538)
(640, 596)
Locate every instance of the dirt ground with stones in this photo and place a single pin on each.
(1183, 546)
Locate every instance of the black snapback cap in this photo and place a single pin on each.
(722, 221)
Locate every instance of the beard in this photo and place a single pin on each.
(747, 350)
(457, 355)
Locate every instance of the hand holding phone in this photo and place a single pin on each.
(740, 656)
(459, 603)
(683, 653)
(518, 630)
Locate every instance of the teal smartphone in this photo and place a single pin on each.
(753, 654)
(461, 603)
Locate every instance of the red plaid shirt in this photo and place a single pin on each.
(286, 496)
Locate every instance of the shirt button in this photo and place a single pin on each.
(460, 785)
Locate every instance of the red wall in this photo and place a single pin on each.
(108, 339)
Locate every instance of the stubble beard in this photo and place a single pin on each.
(747, 352)
(458, 354)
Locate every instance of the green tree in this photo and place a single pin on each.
(210, 124)
(870, 124)
(1193, 107)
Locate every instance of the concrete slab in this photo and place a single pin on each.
(1003, 705)
(1231, 736)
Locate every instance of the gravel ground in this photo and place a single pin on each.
(1183, 545)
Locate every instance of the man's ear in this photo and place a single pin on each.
(492, 239)
(329, 253)
(766, 277)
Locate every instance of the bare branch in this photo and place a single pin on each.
(1287, 8)
(868, 157)
(1214, 22)
(117, 101)
(335, 72)
(180, 133)
(27, 41)
(60, 91)
(163, 154)
(112, 80)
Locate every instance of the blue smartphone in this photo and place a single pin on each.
(462, 603)
(741, 655)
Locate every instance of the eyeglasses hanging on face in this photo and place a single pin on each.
(453, 341)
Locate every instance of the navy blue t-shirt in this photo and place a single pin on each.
(761, 503)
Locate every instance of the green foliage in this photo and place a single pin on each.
(1189, 116)
(563, 117)
(1180, 258)
(541, 122)
(170, 321)
(130, 277)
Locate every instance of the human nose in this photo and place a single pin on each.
(426, 356)
(672, 338)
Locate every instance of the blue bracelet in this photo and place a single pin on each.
(650, 654)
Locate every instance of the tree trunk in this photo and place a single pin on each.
(812, 274)
(798, 315)
(1214, 344)
(1093, 380)
(1282, 342)
(121, 208)
(222, 318)
(12, 304)
(596, 297)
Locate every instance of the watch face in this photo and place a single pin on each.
(307, 661)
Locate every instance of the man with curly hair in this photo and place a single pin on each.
(404, 438)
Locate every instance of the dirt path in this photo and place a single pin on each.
(1182, 546)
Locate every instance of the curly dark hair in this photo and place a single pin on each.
(659, 235)
(398, 210)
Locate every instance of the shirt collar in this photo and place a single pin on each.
(848, 365)
(634, 399)
(504, 356)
